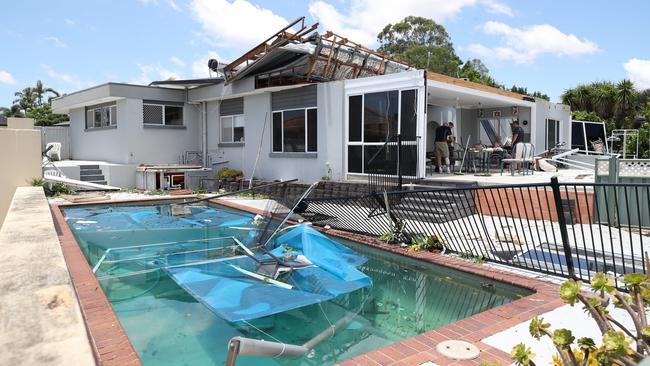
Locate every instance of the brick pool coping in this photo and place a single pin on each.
(109, 342)
(112, 346)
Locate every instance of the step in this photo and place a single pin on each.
(90, 178)
(90, 172)
(102, 182)
(88, 167)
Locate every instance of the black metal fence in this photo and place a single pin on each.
(392, 164)
(572, 230)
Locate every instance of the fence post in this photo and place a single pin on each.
(399, 162)
(555, 185)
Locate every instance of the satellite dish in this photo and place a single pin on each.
(213, 65)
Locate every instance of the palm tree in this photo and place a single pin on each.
(624, 99)
(26, 99)
(602, 99)
(40, 91)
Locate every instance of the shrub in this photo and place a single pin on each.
(56, 189)
(429, 243)
(229, 174)
(616, 344)
(36, 182)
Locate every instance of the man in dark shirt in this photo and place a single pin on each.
(517, 134)
(441, 149)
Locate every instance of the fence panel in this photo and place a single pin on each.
(571, 230)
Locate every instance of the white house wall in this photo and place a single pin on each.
(327, 161)
(546, 110)
(131, 142)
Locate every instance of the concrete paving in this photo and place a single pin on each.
(40, 320)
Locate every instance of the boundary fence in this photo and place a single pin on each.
(572, 230)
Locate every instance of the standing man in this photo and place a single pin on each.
(517, 134)
(517, 137)
(443, 135)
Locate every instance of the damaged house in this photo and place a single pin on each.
(299, 105)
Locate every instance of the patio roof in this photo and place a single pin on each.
(449, 91)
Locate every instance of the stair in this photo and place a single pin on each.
(91, 174)
(440, 207)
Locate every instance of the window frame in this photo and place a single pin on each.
(306, 125)
(164, 117)
(112, 116)
(362, 142)
(232, 129)
(556, 123)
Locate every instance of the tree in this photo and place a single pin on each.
(422, 43)
(13, 111)
(524, 91)
(40, 91)
(26, 99)
(476, 71)
(624, 99)
(43, 116)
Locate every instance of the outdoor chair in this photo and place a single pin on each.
(523, 155)
(53, 153)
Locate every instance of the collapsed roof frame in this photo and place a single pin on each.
(305, 57)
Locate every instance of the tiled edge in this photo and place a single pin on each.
(109, 341)
(421, 348)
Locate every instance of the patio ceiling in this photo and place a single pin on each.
(449, 95)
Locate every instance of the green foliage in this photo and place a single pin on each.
(155, 193)
(478, 259)
(43, 116)
(563, 338)
(586, 116)
(31, 102)
(476, 71)
(524, 91)
(420, 42)
(36, 182)
(538, 328)
(388, 237)
(617, 340)
(428, 243)
(130, 190)
(229, 174)
(522, 355)
(200, 191)
(569, 291)
(56, 189)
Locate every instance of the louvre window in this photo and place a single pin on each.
(101, 116)
(162, 114)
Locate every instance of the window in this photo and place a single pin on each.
(373, 118)
(380, 116)
(552, 133)
(584, 134)
(295, 130)
(232, 129)
(101, 116)
(162, 114)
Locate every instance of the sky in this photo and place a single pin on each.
(543, 45)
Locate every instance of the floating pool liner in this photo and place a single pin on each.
(312, 269)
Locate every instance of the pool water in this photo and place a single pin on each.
(167, 326)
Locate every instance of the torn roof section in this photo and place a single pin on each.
(305, 56)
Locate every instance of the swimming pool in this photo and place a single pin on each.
(167, 326)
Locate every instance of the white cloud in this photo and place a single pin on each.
(149, 73)
(238, 24)
(6, 78)
(496, 7)
(364, 19)
(523, 45)
(69, 21)
(68, 79)
(639, 72)
(178, 61)
(172, 4)
(200, 66)
(56, 42)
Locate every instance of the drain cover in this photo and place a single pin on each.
(458, 350)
